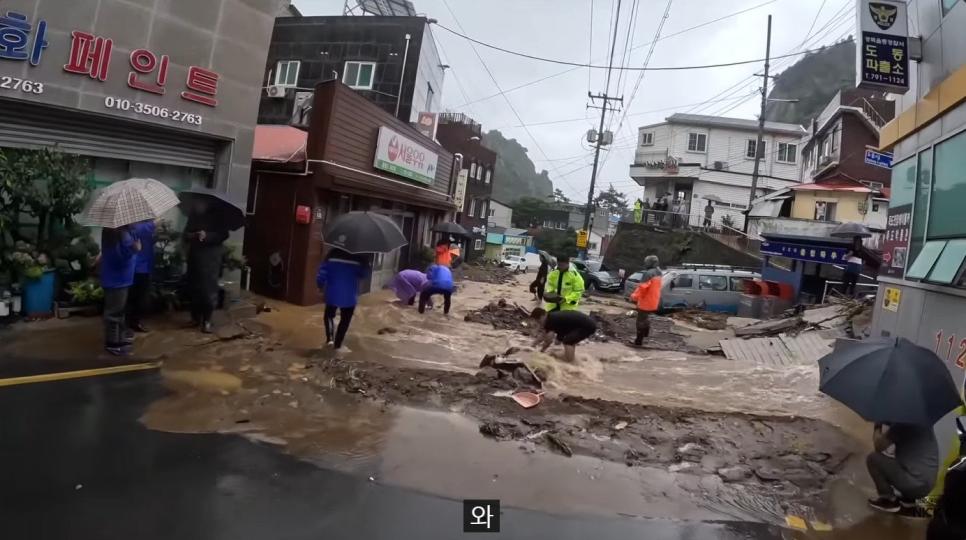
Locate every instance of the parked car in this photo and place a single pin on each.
(715, 288)
(597, 277)
(515, 263)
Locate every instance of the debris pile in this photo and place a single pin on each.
(501, 315)
(485, 273)
(707, 320)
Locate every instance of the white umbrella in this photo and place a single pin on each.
(129, 201)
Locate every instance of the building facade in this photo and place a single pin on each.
(922, 291)
(501, 215)
(356, 157)
(459, 134)
(166, 90)
(391, 61)
(689, 157)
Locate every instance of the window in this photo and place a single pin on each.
(647, 138)
(492, 212)
(948, 5)
(591, 246)
(875, 207)
(482, 206)
(926, 259)
(473, 170)
(713, 283)
(738, 283)
(949, 263)
(834, 139)
(472, 211)
(359, 75)
(921, 204)
(683, 282)
(489, 176)
(824, 149)
(946, 216)
(750, 148)
(807, 158)
(697, 142)
(825, 211)
(478, 245)
(787, 152)
(287, 73)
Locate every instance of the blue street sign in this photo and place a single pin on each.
(878, 159)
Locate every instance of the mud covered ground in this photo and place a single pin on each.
(786, 457)
(485, 273)
(611, 326)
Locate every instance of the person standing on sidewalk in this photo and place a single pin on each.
(140, 293)
(911, 474)
(339, 276)
(205, 237)
(439, 280)
(564, 287)
(648, 297)
(119, 249)
(708, 215)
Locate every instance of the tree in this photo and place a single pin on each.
(614, 201)
(559, 197)
(556, 242)
(529, 211)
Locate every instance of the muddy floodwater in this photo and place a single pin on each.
(663, 431)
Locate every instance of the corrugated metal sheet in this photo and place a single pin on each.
(778, 351)
(35, 127)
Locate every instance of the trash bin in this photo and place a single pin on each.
(39, 295)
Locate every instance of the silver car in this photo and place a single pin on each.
(715, 288)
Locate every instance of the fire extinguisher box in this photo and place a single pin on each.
(303, 215)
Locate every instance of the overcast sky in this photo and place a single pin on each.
(561, 29)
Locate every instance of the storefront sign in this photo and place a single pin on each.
(426, 124)
(890, 298)
(878, 159)
(882, 57)
(582, 239)
(820, 254)
(401, 155)
(460, 196)
(93, 56)
(895, 244)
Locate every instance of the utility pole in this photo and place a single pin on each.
(759, 147)
(600, 142)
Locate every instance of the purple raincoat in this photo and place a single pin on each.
(407, 284)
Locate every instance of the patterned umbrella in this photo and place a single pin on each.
(129, 201)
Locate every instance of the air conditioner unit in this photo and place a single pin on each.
(275, 91)
(720, 166)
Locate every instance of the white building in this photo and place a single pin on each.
(692, 156)
(501, 215)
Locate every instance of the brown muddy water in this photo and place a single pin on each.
(269, 379)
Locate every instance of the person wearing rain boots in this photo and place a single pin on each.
(647, 296)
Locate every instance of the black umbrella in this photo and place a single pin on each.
(221, 209)
(892, 381)
(364, 232)
(448, 227)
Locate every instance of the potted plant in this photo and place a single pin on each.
(86, 298)
(37, 277)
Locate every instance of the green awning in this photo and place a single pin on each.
(949, 263)
(926, 259)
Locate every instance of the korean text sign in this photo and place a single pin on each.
(882, 53)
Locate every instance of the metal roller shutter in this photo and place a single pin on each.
(26, 125)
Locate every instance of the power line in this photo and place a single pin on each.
(507, 99)
(815, 20)
(595, 66)
(564, 72)
(590, 45)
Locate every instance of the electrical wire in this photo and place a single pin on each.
(590, 46)
(680, 32)
(509, 103)
(595, 66)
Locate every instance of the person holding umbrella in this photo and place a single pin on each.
(904, 389)
(141, 289)
(119, 249)
(115, 209)
(339, 276)
(204, 235)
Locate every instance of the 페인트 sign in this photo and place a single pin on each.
(403, 156)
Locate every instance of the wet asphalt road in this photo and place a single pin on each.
(75, 463)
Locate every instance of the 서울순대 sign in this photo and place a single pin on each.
(882, 54)
(402, 156)
(93, 56)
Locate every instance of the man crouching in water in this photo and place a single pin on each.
(569, 328)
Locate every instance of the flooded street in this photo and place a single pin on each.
(642, 433)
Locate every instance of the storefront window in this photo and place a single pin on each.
(903, 183)
(946, 216)
(921, 208)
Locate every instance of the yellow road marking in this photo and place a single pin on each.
(48, 377)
